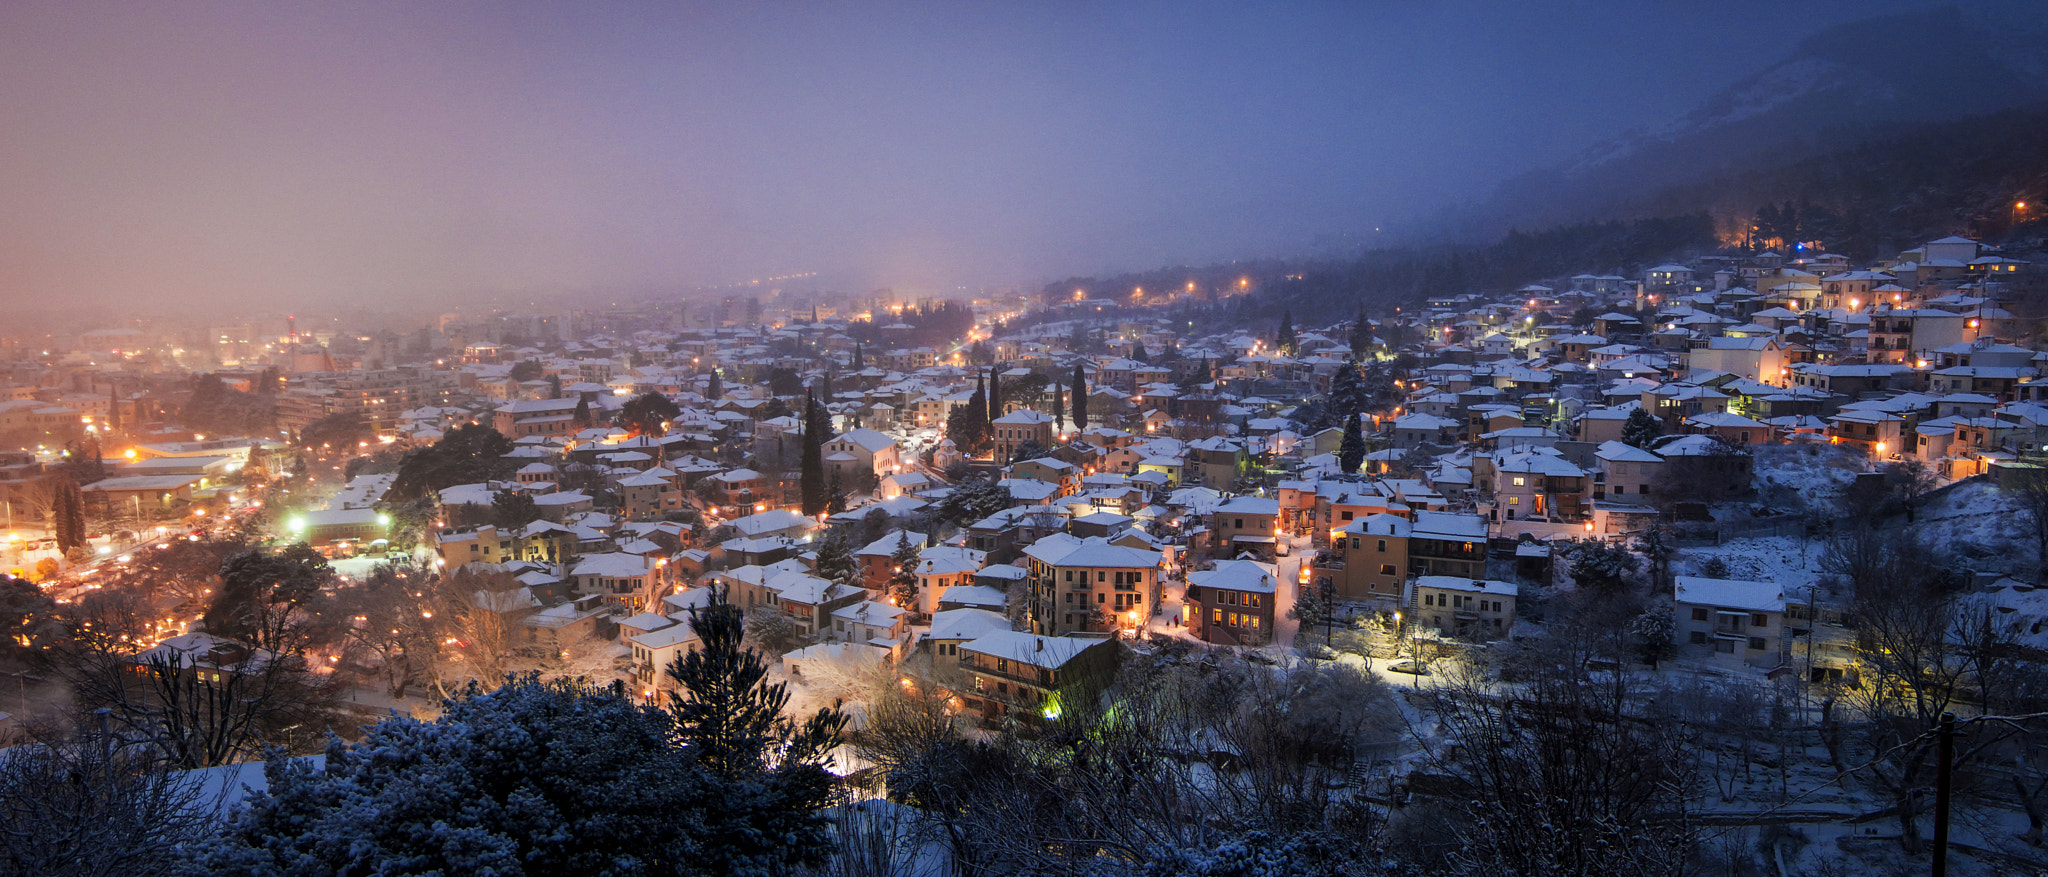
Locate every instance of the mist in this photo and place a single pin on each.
(218, 155)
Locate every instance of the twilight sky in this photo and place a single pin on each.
(235, 152)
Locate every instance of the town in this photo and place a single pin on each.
(1746, 527)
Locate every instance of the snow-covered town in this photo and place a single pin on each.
(1185, 440)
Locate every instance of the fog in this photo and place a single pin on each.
(224, 154)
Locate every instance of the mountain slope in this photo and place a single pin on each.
(1847, 85)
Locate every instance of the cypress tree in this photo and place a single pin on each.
(995, 394)
(811, 477)
(68, 515)
(859, 361)
(715, 390)
(582, 409)
(1283, 340)
(903, 577)
(1059, 408)
(1351, 452)
(1080, 399)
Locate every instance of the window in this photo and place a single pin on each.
(1620, 489)
(1758, 619)
(1386, 569)
(1219, 616)
(1070, 575)
(1347, 515)
(1383, 545)
(1756, 644)
(1520, 481)
(1699, 614)
(1429, 599)
(1239, 523)
(1724, 646)
(1101, 576)
(1101, 598)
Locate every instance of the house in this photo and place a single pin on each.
(859, 456)
(1247, 524)
(557, 627)
(654, 650)
(952, 628)
(1028, 676)
(1447, 544)
(942, 567)
(1018, 428)
(1232, 605)
(629, 582)
(1730, 620)
(1626, 472)
(1367, 560)
(1465, 608)
(872, 622)
(1089, 585)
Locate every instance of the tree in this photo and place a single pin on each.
(860, 362)
(784, 382)
(512, 509)
(1080, 385)
(1351, 451)
(1558, 774)
(995, 394)
(1908, 481)
(338, 430)
(1656, 635)
(1641, 429)
(67, 514)
(468, 454)
(903, 573)
(1284, 340)
(92, 807)
(732, 716)
(1030, 450)
(2029, 488)
(534, 778)
(262, 593)
(836, 562)
(648, 414)
(1059, 408)
(526, 370)
(1598, 566)
(554, 386)
(581, 417)
(1361, 334)
(811, 476)
(714, 388)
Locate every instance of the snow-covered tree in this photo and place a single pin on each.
(533, 778)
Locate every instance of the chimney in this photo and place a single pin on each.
(1041, 645)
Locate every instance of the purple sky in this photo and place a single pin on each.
(196, 153)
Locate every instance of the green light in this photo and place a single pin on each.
(383, 520)
(296, 525)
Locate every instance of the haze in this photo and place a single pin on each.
(181, 155)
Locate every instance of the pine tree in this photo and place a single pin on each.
(1080, 399)
(903, 577)
(1361, 334)
(715, 390)
(835, 495)
(1284, 340)
(1351, 452)
(811, 477)
(1641, 430)
(860, 362)
(730, 715)
(1138, 352)
(836, 562)
(582, 418)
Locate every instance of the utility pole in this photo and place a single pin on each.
(1944, 775)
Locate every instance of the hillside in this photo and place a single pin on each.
(1853, 84)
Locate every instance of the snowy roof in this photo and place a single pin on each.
(967, 624)
(1470, 586)
(1237, 575)
(1049, 652)
(1060, 549)
(1730, 593)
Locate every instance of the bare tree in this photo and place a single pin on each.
(1561, 772)
(2029, 489)
(89, 808)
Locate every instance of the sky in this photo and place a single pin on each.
(181, 155)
